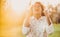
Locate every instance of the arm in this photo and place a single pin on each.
(48, 17)
(50, 28)
(26, 27)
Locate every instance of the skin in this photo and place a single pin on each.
(37, 10)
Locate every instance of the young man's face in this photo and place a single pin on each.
(37, 8)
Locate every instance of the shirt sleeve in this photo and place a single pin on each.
(50, 28)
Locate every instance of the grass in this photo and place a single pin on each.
(56, 31)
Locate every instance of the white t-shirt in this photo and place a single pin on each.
(37, 27)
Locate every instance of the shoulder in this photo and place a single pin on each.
(27, 19)
(44, 17)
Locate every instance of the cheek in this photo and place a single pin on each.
(37, 11)
(40, 9)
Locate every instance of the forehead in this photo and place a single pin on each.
(37, 3)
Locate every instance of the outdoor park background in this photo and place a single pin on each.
(13, 13)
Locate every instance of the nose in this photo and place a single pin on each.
(37, 8)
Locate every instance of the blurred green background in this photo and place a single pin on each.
(56, 32)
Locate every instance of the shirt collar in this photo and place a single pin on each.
(38, 19)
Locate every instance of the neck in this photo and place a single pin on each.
(37, 16)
